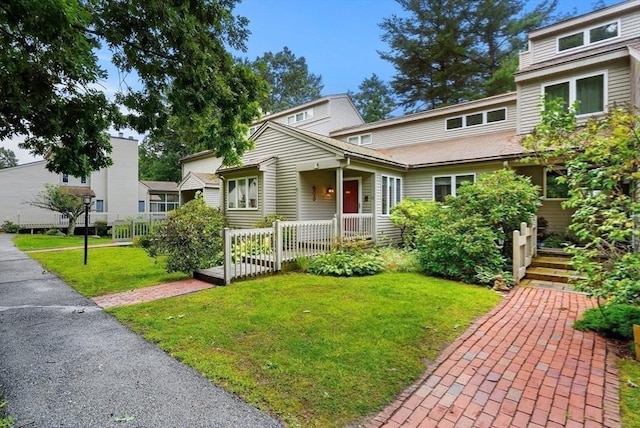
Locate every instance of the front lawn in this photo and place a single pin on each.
(38, 242)
(629, 392)
(109, 269)
(315, 351)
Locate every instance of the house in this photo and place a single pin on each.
(358, 172)
(117, 193)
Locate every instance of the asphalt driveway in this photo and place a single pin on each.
(64, 362)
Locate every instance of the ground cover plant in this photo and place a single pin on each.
(29, 242)
(629, 392)
(109, 270)
(316, 351)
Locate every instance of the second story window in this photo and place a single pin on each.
(299, 117)
(360, 140)
(479, 118)
(588, 36)
(587, 91)
(83, 180)
(65, 178)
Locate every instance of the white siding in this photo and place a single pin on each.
(192, 183)
(434, 129)
(529, 93)
(207, 164)
(19, 185)
(121, 178)
(212, 197)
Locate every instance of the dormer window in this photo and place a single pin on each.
(589, 36)
(360, 140)
(299, 117)
(475, 119)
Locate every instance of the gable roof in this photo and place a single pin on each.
(160, 186)
(249, 163)
(205, 178)
(326, 98)
(495, 146)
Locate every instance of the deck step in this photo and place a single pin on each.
(551, 274)
(552, 262)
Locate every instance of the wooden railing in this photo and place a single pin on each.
(129, 230)
(357, 226)
(524, 248)
(251, 252)
(44, 219)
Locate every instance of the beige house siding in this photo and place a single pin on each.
(270, 193)
(545, 49)
(559, 219)
(530, 92)
(434, 129)
(384, 227)
(419, 183)
(324, 207)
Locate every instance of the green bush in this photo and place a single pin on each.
(614, 320)
(410, 213)
(454, 248)
(102, 228)
(53, 232)
(10, 227)
(398, 260)
(268, 220)
(345, 263)
(190, 236)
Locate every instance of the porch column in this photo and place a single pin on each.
(339, 202)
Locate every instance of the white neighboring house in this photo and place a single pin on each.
(115, 189)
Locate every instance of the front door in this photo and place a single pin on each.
(350, 197)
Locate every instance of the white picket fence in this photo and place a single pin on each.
(51, 220)
(525, 245)
(252, 252)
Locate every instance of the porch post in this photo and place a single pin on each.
(339, 201)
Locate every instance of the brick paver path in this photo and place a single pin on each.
(148, 294)
(521, 365)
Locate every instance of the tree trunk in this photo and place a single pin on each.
(71, 230)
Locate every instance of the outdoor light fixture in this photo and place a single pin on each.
(330, 190)
(86, 200)
(313, 191)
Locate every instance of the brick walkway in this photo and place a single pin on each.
(521, 365)
(148, 294)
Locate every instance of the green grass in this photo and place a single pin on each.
(38, 242)
(629, 392)
(109, 269)
(315, 351)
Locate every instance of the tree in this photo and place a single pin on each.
(289, 80)
(63, 200)
(374, 100)
(602, 160)
(175, 51)
(190, 237)
(446, 52)
(7, 158)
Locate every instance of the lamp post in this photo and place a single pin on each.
(86, 200)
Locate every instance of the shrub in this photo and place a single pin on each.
(344, 263)
(268, 220)
(10, 227)
(53, 232)
(497, 279)
(614, 320)
(399, 260)
(102, 228)
(454, 248)
(410, 213)
(190, 236)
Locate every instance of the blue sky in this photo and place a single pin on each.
(339, 39)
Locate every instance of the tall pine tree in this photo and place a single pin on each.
(374, 100)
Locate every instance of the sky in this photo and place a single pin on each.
(339, 39)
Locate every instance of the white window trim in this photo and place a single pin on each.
(453, 182)
(389, 206)
(484, 119)
(586, 36)
(359, 137)
(226, 196)
(307, 114)
(572, 91)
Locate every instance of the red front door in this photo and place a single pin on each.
(350, 197)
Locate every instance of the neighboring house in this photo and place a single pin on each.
(359, 172)
(118, 194)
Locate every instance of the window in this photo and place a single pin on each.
(83, 180)
(65, 178)
(253, 129)
(242, 193)
(299, 117)
(360, 140)
(587, 91)
(474, 119)
(448, 184)
(100, 205)
(553, 189)
(588, 36)
(391, 193)
(140, 206)
(163, 202)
